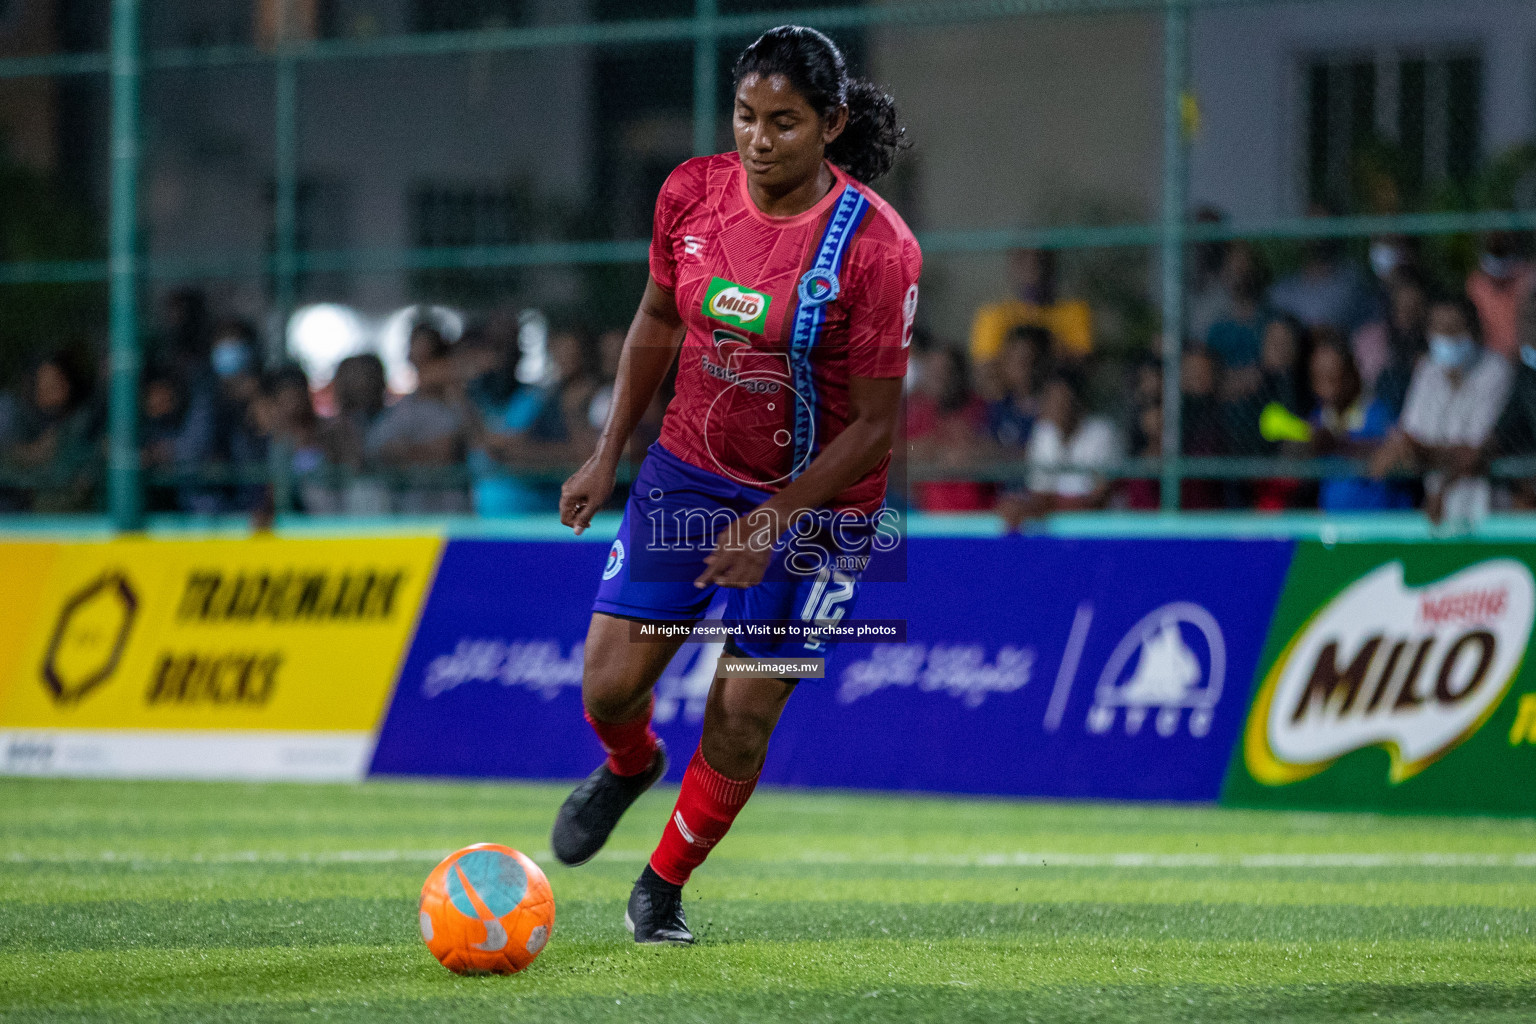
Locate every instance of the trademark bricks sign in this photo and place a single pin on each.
(289, 635)
(1396, 677)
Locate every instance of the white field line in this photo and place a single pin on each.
(1019, 859)
(1197, 860)
(238, 857)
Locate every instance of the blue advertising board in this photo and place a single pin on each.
(1032, 666)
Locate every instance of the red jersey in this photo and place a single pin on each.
(780, 313)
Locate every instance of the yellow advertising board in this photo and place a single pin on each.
(261, 635)
(23, 568)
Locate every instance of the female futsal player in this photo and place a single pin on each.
(791, 288)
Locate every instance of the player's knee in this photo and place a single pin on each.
(609, 690)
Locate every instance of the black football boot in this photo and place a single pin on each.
(588, 816)
(655, 912)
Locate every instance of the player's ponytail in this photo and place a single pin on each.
(814, 65)
(868, 146)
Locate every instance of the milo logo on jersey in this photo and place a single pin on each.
(734, 304)
(1386, 682)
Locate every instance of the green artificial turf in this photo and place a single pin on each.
(189, 901)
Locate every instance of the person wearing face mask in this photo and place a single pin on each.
(1497, 286)
(217, 428)
(1456, 395)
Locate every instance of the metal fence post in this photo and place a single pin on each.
(706, 50)
(1175, 201)
(285, 173)
(125, 499)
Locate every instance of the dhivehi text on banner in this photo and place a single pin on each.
(1029, 666)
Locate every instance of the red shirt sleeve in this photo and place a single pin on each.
(884, 310)
(670, 207)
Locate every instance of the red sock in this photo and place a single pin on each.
(706, 806)
(631, 745)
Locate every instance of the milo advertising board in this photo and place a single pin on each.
(1396, 677)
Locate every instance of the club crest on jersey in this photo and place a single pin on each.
(615, 561)
(818, 287)
(729, 301)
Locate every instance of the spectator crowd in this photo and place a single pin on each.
(1400, 392)
(225, 430)
(1395, 393)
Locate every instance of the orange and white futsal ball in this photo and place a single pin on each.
(486, 909)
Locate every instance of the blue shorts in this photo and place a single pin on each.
(674, 512)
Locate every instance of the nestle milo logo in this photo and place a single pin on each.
(1415, 670)
(727, 300)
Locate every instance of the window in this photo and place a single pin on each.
(1399, 120)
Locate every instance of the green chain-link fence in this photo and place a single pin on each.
(1196, 168)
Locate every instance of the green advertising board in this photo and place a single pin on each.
(1395, 677)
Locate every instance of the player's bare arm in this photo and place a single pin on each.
(649, 348)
